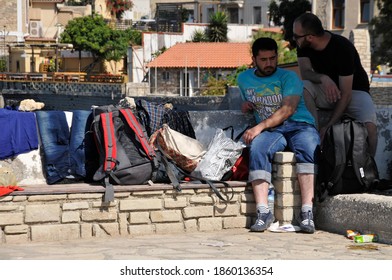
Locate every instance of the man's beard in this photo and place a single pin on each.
(268, 71)
(305, 44)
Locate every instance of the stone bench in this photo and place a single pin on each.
(73, 211)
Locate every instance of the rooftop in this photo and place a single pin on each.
(205, 55)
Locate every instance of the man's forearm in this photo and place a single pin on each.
(312, 76)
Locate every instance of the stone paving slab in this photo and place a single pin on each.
(233, 244)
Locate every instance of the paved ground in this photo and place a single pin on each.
(235, 244)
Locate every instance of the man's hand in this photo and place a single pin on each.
(247, 106)
(251, 133)
(331, 90)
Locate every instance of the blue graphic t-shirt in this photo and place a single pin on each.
(267, 93)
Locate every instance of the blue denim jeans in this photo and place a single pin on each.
(299, 137)
(63, 148)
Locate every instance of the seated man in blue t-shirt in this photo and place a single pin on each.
(274, 95)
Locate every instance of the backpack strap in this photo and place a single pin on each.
(110, 146)
(360, 162)
(340, 139)
(137, 128)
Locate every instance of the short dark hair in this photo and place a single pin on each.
(264, 44)
(310, 24)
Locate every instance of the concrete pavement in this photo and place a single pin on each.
(233, 244)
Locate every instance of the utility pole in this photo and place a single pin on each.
(4, 48)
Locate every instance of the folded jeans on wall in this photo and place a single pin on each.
(63, 145)
(18, 133)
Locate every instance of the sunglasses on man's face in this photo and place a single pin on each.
(296, 37)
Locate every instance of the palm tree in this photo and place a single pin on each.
(217, 29)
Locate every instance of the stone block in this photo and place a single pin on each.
(75, 205)
(55, 232)
(7, 198)
(8, 208)
(11, 219)
(139, 218)
(240, 189)
(104, 205)
(236, 222)
(101, 216)
(247, 197)
(85, 196)
(166, 216)
(70, 217)
(287, 200)
(183, 192)
(86, 230)
(248, 208)
(106, 229)
(285, 171)
(179, 202)
(201, 200)
(54, 197)
(169, 228)
(19, 198)
(197, 211)
(140, 204)
(284, 157)
(210, 224)
(191, 225)
(121, 195)
(286, 186)
(123, 223)
(16, 229)
(227, 210)
(135, 230)
(16, 238)
(156, 193)
(42, 213)
(286, 215)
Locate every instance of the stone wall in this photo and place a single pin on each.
(73, 216)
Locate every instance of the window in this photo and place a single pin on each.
(210, 12)
(257, 15)
(165, 75)
(233, 15)
(365, 11)
(338, 14)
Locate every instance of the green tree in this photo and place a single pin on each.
(285, 54)
(287, 12)
(91, 33)
(78, 2)
(135, 36)
(382, 32)
(217, 28)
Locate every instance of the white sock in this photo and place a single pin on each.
(306, 208)
(262, 208)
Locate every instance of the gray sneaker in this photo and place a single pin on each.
(264, 220)
(306, 224)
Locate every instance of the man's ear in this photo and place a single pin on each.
(253, 61)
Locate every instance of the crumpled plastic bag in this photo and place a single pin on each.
(222, 153)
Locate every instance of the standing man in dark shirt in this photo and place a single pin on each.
(333, 76)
